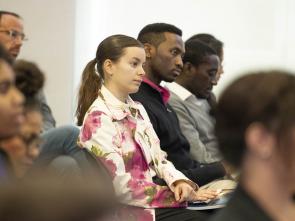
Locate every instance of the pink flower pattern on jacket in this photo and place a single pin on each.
(121, 136)
(91, 123)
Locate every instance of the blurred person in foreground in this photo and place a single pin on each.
(255, 127)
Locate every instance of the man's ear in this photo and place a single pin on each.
(149, 50)
(260, 141)
(108, 67)
(187, 66)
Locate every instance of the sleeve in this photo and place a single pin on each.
(163, 167)
(186, 122)
(48, 119)
(99, 134)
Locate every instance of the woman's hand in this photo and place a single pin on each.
(184, 192)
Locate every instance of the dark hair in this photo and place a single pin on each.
(210, 40)
(263, 97)
(4, 55)
(29, 79)
(154, 33)
(110, 48)
(195, 51)
(8, 13)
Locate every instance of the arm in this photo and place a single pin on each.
(99, 134)
(198, 173)
(163, 167)
(48, 119)
(198, 149)
(183, 188)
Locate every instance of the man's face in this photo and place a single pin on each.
(11, 103)
(220, 70)
(166, 61)
(203, 76)
(13, 42)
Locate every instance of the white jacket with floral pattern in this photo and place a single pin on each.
(122, 137)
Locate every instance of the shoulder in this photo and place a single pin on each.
(97, 111)
(175, 99)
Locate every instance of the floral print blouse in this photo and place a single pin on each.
(122, 137)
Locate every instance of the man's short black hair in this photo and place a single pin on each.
(196, 51)
(210, 40)
(8, 13)
(154, 33)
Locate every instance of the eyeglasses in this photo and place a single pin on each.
(15, 34)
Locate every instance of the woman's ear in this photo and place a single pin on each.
(260, 141)
(108, 67)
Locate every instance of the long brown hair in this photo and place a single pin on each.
(110, 48)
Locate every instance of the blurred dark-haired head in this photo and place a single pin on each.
(29, 78)
(259, 98)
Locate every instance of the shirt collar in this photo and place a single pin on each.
(165, 94)
(184, 94)
(179, 90)
(118, 108)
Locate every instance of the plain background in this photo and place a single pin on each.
(64, 34)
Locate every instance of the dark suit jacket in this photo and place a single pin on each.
(166, 125)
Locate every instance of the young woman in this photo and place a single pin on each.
(118, 132)
(255, 126)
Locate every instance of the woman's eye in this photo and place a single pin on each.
(4, 87)
(134, 64)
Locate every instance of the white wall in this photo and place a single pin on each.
(50, 27)
(64, 35)
(256, 33)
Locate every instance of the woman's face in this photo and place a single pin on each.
(11, 103)
(23, 148)
(127, 73)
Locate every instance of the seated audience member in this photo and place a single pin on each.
(118, 132)
(11, 110)
(164, 50)
(188, 99)
(216, 45)
(37, 198)
(23, 148)
(255, 127)
(46, 198)
(12, 37)
(59, 145)
(29, 77)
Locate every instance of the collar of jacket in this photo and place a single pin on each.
(119, 109)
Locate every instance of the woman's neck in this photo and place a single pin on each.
(117, 93)
(270, 190)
